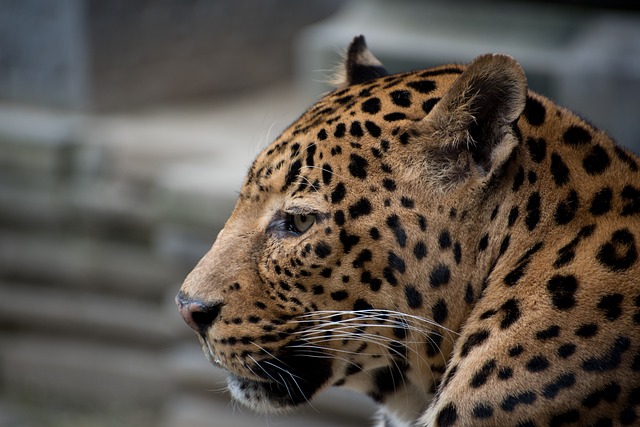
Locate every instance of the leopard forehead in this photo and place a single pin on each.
(349, 128)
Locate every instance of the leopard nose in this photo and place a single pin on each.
(196, 313)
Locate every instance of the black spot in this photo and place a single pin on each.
(339, 295)
(562, 290)
(482, 411)
(488, 314)
(566, 350)
(439, 311)
(510, 402)
(631, 197)
(567, 417)
(292, 174)
(457, 252)
(484, 242)
(358, 166)
(516, 274)
(396, 263)
(392, 117)
(348, 241)
(566, 254)
(468, 294)
(447, 416)
(322, 134)
(387, 273)
(534, 112)
(364, 256)
(527, 423)
(597, 161)
(504, 245)
(344, 100)
(318, 289)
(474, 340)
(513, 215)
(518, 180)
(587, 330)
(338, 193)
(326, 272)
(428, 105)
(609, 361)
(356, 129)
(567, 208)
(562, 381)
(361, 305)
(511, 312)
(374, 233)
(422, 86)
(516, 350)
(537, 364)
(552, 331)
(533, 211)
(371, 105)
(322, 250)
(338, 217)
(619, 253)
(537, 149)
(407, 202)
(341, 129)
(361, 208)
(532, 177)
(626, 158)
(373, 129)
(576, 135)
(422, 222)
(401, 98)
(311, 151)
(494, 212)
(609, 393)
(393, 222)
(389, 184)
(444, 239)
(504, 373)
(404, 138)
(434, 340)
(610, 306)
(559, 170)
(414, 298)
(420, 250)
(481, 376)
(439, 276)
(327, 174)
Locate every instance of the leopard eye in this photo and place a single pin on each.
(302, 223)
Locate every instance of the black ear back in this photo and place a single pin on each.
(470, 131)
(360, 65)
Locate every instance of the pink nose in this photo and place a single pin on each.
(197, 314)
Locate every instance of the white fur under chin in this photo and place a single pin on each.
(403, 409)
(252, 395)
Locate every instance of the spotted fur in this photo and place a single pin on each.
(459, 248)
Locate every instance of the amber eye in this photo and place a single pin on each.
(301, 223)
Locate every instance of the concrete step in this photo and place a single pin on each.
(68, 312)
(87, 264)
(79, 370)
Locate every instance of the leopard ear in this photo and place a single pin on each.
(470, 130)
(360, 65)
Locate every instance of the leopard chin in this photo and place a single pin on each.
(289, 382)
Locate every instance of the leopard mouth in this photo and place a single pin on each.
(282, 383)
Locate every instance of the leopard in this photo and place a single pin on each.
(446, 241)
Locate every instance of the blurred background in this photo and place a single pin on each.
(126, 127)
